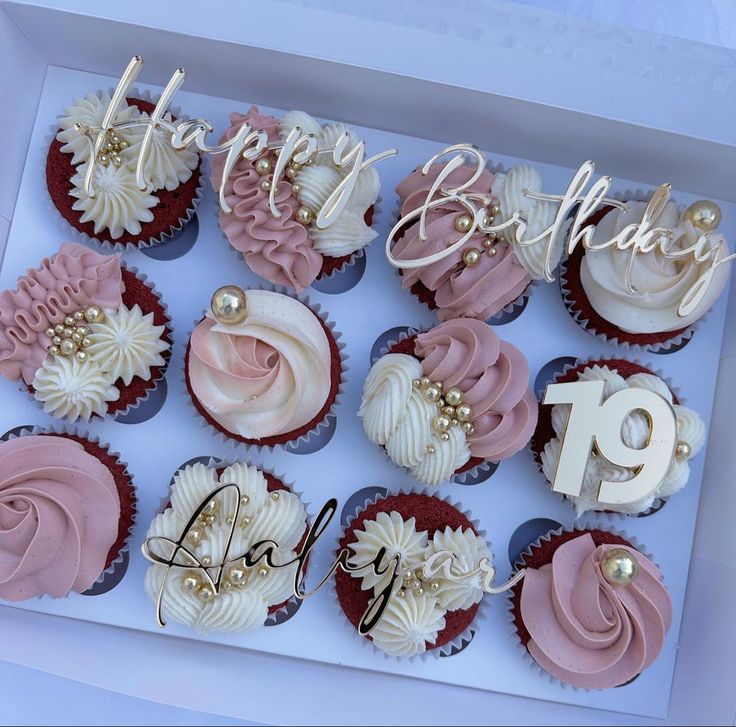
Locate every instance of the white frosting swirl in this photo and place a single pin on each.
(127, 344)
(317, 181)
(118, 205)
(73, 390)
(265, 376)
(660, 283)
(539, 215)
(408, 624)
(278, 516)
(398, 537)
(397, 416)
(89, 111)
(635, 433)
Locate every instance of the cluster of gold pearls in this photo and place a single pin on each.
(110, 152)
(472, 256)
(264, 168)
(71, 337)
(415, 581)
(452, 412)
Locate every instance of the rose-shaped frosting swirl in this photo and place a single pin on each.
(459, 290)
(660, 282)
(266, 376)
(59, 513)
(585, 631)
(73, 278)
(277, 249)
(494, 378)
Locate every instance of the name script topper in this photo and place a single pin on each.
(638, 238)
(175, 554)
(248, 143)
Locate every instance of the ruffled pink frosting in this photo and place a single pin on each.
(459, 291)
(59, 514)
(277, 249)
(494, 378)
(73, 278)
(585, 631)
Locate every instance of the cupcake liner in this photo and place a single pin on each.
(608, 514)
(174, 230)
(323, 423)
(456, 477)
(676, 341)
(467, 634)
(219, 463)
(155, 380)
(581, 527)
(61, 430)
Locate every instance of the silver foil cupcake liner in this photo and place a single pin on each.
(456, 644)
(174, 230)
(323, 423)
(608, 514)
(676, 341)
(511, 621)
(61, 430)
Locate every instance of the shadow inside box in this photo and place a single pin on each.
(178, 245)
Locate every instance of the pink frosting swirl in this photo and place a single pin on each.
(59, 514)
(585, 631)
(494, 378)
(459, 291)
(277, 249)
(73, 278)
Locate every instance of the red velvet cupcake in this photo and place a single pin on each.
(69, 506)
(263, 368)
(591, 610)
(426, 613)
(85, 335)
(120, 214)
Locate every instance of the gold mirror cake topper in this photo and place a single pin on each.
(211, 577)
(596, 425)
(637, 238)
(248, 143)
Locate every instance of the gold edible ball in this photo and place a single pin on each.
(67, 347)
(229, 305)
(266, 185)
(195, 536)
(50, 332)
(682, 451)
(619, 567)
(295, 188)
(430, 449)
(432, 393)
(704, 214)
(69, 321)
(190, 582)
(78, 315)
(454, 396)
(263, 571)
(449, 410)
(304, 215)
(463, 223)
(495, 209)
(263, 166)
(467, 428)
(236, 575)
(463, 412)
(401, 593)
(445, 437)
(81, 356)
(76, 337)
(93, 314)
(58, 329)
(54, 350)
(205, 593)
(435, 585)
(472, 256)
(442, 423)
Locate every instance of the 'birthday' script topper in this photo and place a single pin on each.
(175, 554)
(595, 424)
(637, 238)
(248, 143)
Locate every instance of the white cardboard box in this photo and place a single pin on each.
(404, 97)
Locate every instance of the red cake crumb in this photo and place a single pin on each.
(168, 213)
(541, 555)
(335, 373)
(431, 514)
(123, 483)
(330, 264)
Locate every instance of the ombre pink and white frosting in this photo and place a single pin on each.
(59, 517)
(459, 290)
(585, 631)
(73, 278)
(492, 375)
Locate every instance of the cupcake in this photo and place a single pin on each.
(262, 368)
(291, 250)
(424, 614)
(490, 272)
(640, 308)
(120, 213)
(66, 509)
(85, 335)
(445, 401)
(244, 597)
(591, 610)
(618, 374)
